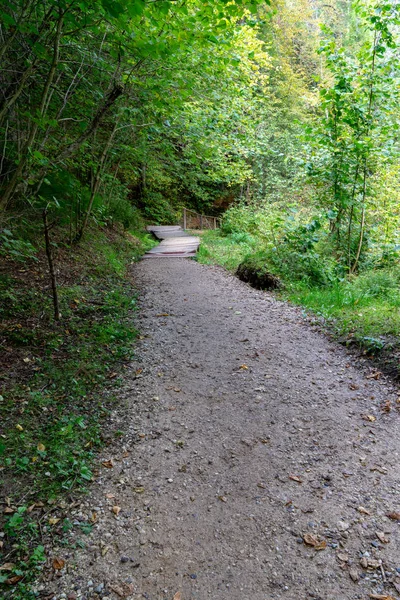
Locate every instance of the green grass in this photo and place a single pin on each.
(52, 405)
(365, 310)
(226, 250)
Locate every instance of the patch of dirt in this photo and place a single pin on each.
(259, 280)
(261, 460)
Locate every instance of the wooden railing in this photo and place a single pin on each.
(194, 220)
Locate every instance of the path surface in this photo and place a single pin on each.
(247, 430)
(174, 242)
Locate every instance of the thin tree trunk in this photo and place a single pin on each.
(96, 180)
(49, 254)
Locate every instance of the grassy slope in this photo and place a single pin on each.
(365, 311)
(57, 384)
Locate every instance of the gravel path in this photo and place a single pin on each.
(250, 434)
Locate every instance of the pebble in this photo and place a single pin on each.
(124, 559)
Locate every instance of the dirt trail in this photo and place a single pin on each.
(247, 430)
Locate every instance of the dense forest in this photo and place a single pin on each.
(280, 117)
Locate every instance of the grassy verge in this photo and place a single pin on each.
(56, 387)
(364, 312)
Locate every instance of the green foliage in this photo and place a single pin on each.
(52, 417)
(226, 250)
(355, 132)
(14, 247)
(158, 210)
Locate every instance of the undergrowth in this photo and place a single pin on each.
(57, 386)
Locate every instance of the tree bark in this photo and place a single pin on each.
(49, 255)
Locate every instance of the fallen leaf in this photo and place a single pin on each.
(370, 418)
(8, 510)
(223, 498)
(14, 580)
(295, 478)
(139, 490)
(178, 596)
(7, 566)
(105, 550)
(382, 470)
(108, 464)
(53, 520)
(381, 597)
(163, 315)
(370, 563)
(312, 540)
(93, 518)
(243, 367)
(110, 496)
(382, 537)
(376, 375)
(386, 407)
(19, 427)
(395, 516)
(41, 447)
(123, 590)
(116, 510)
(58, 563)
(363, 510)
(354, 386)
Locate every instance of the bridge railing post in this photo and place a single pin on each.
(184, 218)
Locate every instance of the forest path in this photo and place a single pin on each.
(247, 429)
(175, 242)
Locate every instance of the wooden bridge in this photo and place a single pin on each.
(175, 242)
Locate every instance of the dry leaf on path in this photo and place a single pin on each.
(375, 375)
(178, 596)
(381, 597)
(395, 516)
(295, 478)
(108, 464)
(58, 563)
(363, 510)
(382, 537)
(53, 520)
(370, 418)
(41, 447)
(116, 510)
(312, 540)
(123, 590)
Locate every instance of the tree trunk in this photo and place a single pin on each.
(49, 254)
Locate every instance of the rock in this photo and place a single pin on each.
(124, 559)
